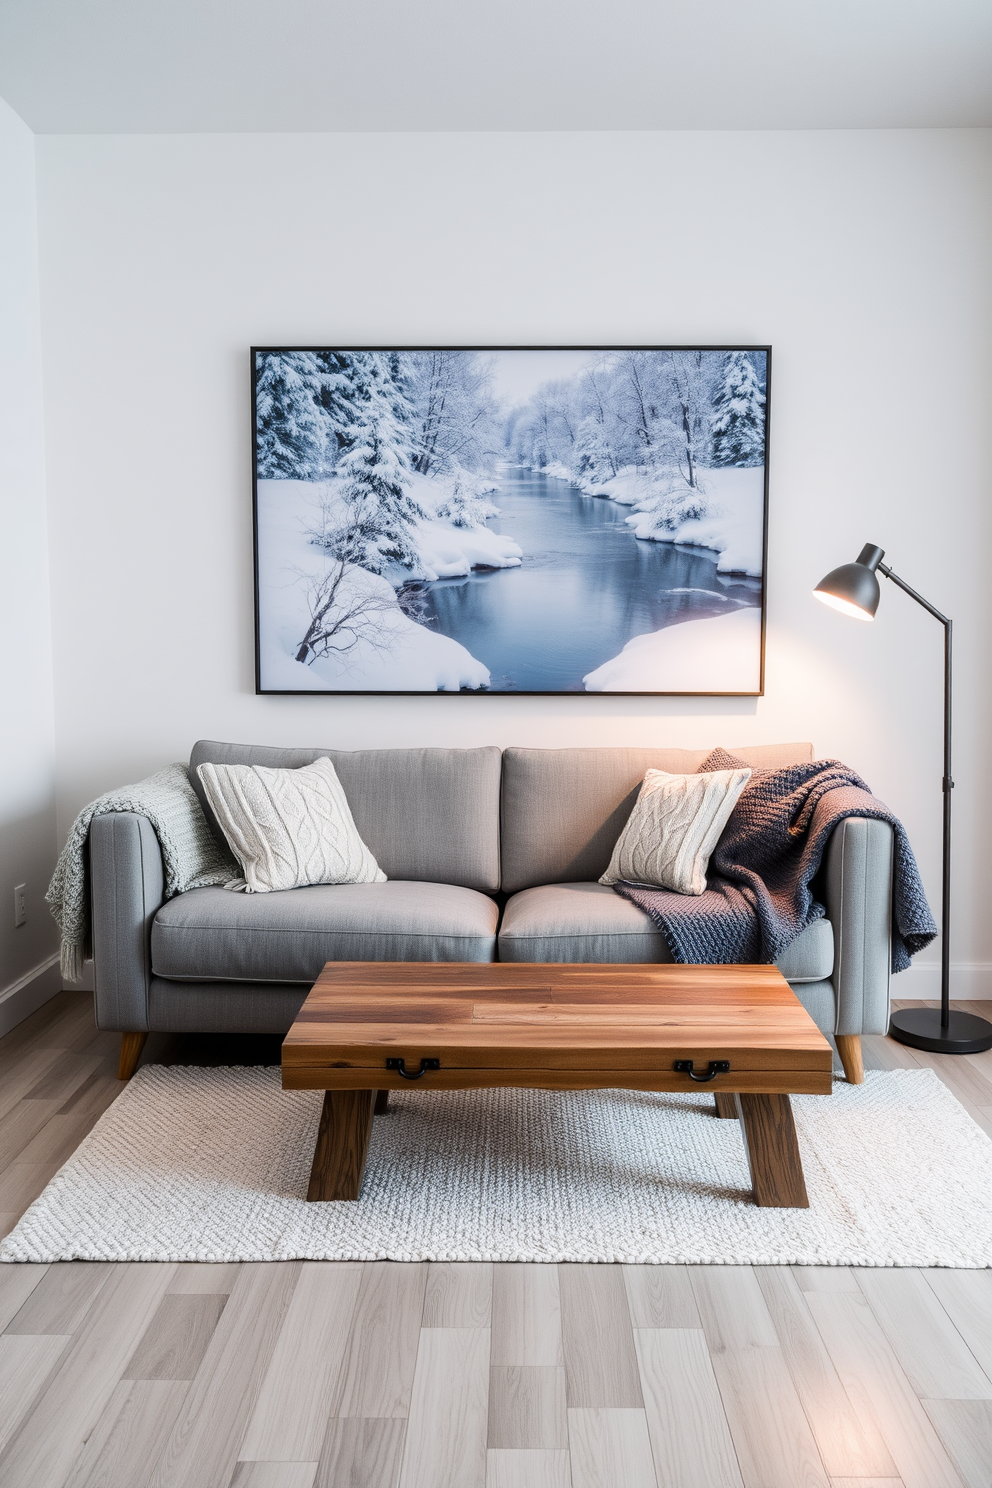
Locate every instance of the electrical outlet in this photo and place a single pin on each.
(20, 908)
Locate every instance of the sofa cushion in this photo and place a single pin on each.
(577, 922)
(431, 815)
(215, 935)
(589, 922)
(563, 809)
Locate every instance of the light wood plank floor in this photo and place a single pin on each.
(384, 1375)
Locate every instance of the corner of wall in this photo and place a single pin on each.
(28, 959)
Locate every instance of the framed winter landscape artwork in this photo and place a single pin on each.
(523, 520)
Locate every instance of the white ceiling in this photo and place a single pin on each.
(179, 66)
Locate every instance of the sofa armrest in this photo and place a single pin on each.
(858, 894)
(127, 886)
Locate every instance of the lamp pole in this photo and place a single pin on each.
(895, 1028)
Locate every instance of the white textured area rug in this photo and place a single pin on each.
(212, 1165)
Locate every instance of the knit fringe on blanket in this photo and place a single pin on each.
(191, 855)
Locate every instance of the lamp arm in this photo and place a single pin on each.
(907, 589)
(948, 786)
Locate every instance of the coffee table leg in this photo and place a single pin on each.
(381, 1102)
(772, 1151)
(726, 1105)
(342, 1142)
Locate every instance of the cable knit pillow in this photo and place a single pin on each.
(674, 827)
(288, 828)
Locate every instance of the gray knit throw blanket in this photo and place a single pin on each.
(191, 855)
(758, 895)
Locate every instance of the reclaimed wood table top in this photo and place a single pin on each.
(552, 1025)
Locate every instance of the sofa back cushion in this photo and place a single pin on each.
(563, 809)
(431, 815)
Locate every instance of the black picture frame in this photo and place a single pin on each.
(756, 584)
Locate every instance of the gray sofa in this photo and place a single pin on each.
(489, 854)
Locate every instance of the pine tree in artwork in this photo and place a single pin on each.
(338, 393)
(395, 366)
(374, 479)
(292, 431)
(739, 414)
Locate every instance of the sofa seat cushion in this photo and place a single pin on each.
(577, 922)
(589, 922)
(216, 935)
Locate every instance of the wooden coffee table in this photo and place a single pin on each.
(369, 1027)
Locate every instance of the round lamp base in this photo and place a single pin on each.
(921, 1029)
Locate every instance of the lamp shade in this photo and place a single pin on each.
(853, 588)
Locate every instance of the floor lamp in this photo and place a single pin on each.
(853, 589)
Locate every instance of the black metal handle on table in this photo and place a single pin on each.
(399, 1065)
(714, 1068)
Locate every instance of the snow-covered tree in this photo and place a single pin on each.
(465, 505)
(598, 401)
(659, 407)
(559, 412)
(690, 373)
(652, 410)
(338, 393)
(311, 403)
(638, 402)
(739, 414)
(593, 459)
(526, 438)
(544, 432)
(453, 412)
(373, 479)
(293, 433)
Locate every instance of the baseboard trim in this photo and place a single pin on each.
(970, 981)
(29, 992)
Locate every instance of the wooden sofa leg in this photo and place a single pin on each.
(849, 1049)
(131, 1047)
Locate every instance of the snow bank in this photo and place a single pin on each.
(396, 654)
(627, 487)
(448, 551)
(721, 654)
(732, 527)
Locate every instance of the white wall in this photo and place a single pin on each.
(27, 768)
(862, 257)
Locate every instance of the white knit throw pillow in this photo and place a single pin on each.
(288, 828)
(674, 827)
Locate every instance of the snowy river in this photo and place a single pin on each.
(586, 586)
